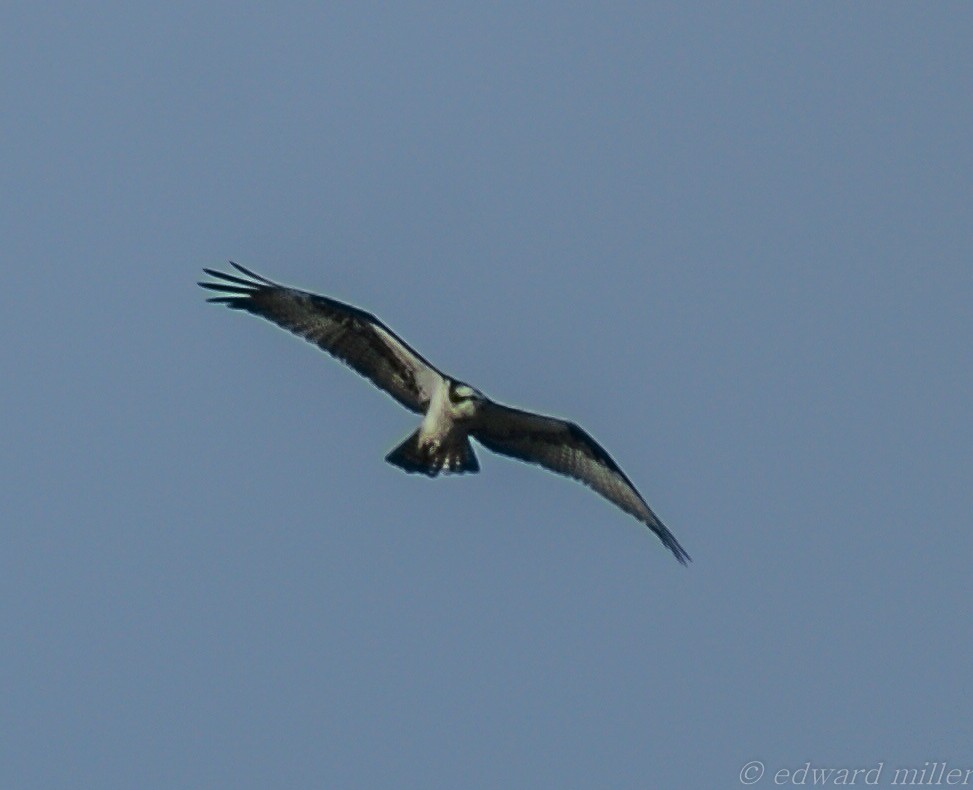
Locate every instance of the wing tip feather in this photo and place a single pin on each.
(668, 539)
(229, 301)
(255, 284)
(670, 542)
(254, 275)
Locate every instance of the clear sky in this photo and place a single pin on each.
(733, 241)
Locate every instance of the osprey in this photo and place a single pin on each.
(452, 411)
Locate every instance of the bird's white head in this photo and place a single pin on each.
(464, 400)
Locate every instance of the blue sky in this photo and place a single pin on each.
(733, 241)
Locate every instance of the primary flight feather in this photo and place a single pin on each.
(452, 411)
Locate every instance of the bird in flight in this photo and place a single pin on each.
(452, 411)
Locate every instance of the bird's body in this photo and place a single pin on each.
(441, 443)
(452, 411)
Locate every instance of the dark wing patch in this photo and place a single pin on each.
(351, 335)
(567, 449)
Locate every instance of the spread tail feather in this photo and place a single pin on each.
(452, 455)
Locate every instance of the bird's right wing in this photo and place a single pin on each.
(351, 335)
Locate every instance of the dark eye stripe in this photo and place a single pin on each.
(459, 392)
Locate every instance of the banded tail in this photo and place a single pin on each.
(453, 455)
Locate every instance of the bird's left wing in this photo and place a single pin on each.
(351, 335)
(567, 449)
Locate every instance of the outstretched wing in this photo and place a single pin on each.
(351, 335)
(565, 448)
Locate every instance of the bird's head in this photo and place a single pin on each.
(464, 400)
